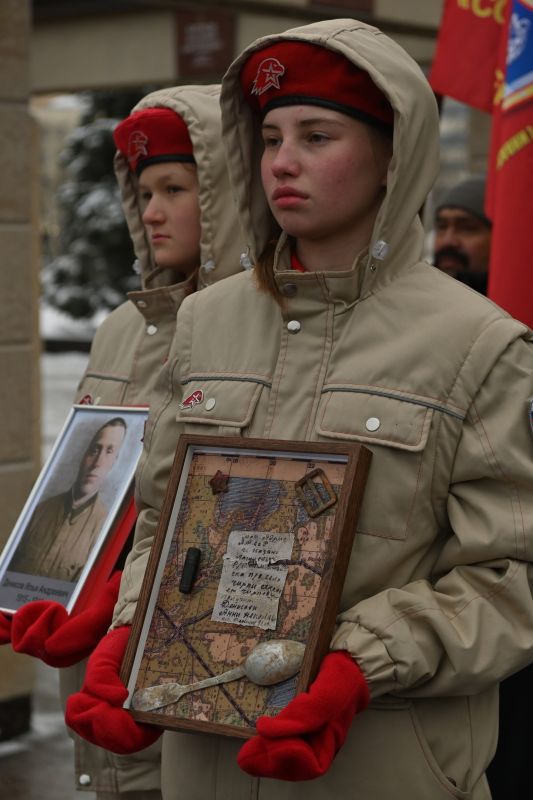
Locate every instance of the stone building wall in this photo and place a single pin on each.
(19, 343)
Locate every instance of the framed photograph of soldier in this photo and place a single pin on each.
(81, 498)
(244, 580)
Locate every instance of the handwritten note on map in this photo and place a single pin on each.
(252, 578)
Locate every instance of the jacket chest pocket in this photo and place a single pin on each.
(102, 388)
(397, 432)
(223, 407)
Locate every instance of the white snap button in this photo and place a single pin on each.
(84, 780)
(141, 304)
(293, 326)
(380, 250)
(372, 424)
(245, 261)
(210, 404)
(151, 329)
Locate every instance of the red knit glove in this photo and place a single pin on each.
(5, 628)
(96, 712)
(300, 742)
(45, 630)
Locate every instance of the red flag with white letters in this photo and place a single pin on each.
(510, 188)
(467, 48)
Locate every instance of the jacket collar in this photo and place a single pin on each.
(164, 301)
(369, 273)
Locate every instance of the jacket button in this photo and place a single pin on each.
(84, 780)
(293, 326)
(289, 289)
(372, 424)
(210, 404)
(141, 304)
(151, 329)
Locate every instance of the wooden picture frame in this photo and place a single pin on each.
(274, 523)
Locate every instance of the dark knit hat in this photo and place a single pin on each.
(152, 136)
(469, 195)
(299, 73)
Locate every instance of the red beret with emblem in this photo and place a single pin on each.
(300, 73)
(152, 136)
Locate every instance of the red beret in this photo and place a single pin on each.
(151, 136)
(300, 73)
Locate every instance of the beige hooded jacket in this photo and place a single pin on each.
(132, 344)
(437, 604)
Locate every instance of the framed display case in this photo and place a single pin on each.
(244, 580)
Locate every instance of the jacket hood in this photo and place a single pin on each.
(221, 239)
(398, 232)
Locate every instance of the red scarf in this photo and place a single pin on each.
(296, 263)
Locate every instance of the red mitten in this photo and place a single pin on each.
(5, 628)
(301, 742)
(43, 629)
(96, 712)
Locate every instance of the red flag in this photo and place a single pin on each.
(510, 190)
(467, 48)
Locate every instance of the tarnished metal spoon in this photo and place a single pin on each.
(268, 663)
